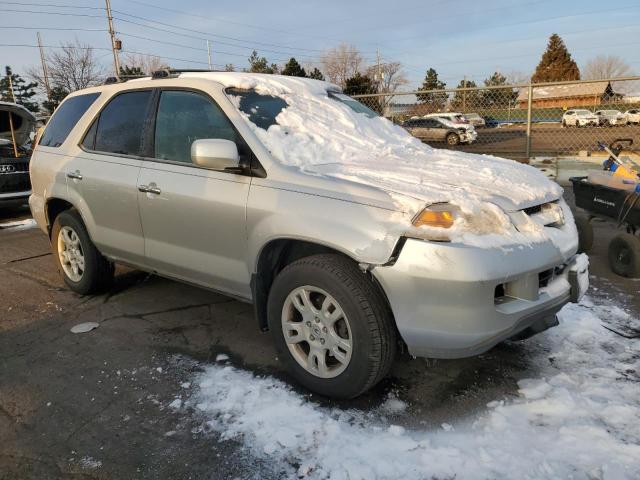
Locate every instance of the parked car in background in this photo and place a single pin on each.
(475, 119)
(632, 116)
(15, 186)
(579, 118)
(610, 117)
(275, 190)
(453, 117)
(435, 129)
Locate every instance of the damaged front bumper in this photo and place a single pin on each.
(454, 301)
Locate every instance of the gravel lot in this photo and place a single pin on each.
(103, 404)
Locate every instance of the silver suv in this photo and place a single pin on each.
(350, 237)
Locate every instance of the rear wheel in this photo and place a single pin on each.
(453, 139)
(624, 255)
(585, 233)
(83, 268)
(332, 329)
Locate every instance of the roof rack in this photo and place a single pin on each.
(171, 72)
(123, 78)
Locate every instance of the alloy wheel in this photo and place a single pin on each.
(317, 331)
(70, 253)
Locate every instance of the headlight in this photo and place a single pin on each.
(440, 215)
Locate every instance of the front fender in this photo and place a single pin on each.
(365, 233)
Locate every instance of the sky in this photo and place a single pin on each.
(457, 38)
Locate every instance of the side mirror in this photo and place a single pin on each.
(214, 153)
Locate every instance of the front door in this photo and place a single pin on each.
(193, 218)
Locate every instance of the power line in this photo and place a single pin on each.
(64, 14)
(211, 36)
(63, 29)
(29, 4)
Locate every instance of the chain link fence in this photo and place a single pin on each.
(522, 122)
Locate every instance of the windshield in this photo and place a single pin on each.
(583, 113)
(352, 103)
(262, 109)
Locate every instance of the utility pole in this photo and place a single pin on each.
(114, 43)
(45, 70)
(209, 53)
(464, 95)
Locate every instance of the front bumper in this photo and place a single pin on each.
(454, 301)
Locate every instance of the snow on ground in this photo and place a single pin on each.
(580, 419)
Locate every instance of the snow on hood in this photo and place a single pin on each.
(321, 135)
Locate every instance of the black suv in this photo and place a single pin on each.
(16, 125)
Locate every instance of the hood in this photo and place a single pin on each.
(447, 176)
(23, 122)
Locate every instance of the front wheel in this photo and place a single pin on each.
(453, 139)
(83, 268)
(332, 329)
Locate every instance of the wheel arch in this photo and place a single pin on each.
(277, 254)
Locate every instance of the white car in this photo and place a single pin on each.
(579, 118)
(611, 117)
(476, 120)
(633, 116)
(454, 117)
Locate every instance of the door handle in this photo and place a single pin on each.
(149, 189)
(75, 175)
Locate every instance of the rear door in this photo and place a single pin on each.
(194, 220)
(105, 174)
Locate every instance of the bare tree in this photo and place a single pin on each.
(71, 67)
(387, 77)
(605, 66)
(341, 63)
(147, 63)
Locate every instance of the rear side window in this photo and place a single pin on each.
(65, 118)
(119, 128)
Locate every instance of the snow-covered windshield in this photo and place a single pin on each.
(262, 109)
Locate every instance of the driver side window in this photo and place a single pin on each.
(184, 117)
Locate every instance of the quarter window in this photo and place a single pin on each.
(184, 117)
(120, 125)
(65, 118)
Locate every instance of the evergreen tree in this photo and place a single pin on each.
(467, 99)
(431, 82)
(259, 64)
(316, 74)
(22, 91)
(128, 71)
(498, 97)
(359, 85)
(56, 96)
(556, 64)
(293, 69)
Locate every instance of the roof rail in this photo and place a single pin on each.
(171, 72)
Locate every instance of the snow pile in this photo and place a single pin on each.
(581, 420)
(321, 135)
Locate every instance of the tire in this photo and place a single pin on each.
(585, 233)
(452, 139)
(624, 255)
(97, 272)
(367, 324)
